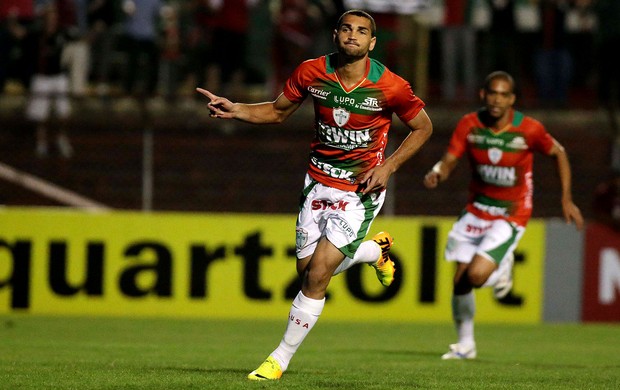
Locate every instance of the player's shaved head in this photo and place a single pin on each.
(499, 75)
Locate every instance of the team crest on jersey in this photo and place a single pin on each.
(341, 116)
(301, 237)
(495, 155)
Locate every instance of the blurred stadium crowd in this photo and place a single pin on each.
(101, 57)
(560, 51)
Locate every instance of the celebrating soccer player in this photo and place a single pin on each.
(354, 99)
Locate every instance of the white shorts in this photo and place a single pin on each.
(471, 235)
(344, 217)
(46, 90)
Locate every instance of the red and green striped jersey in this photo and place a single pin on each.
(502, 184)
(351, 125)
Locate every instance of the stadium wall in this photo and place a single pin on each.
(563, 272)
(68, 262)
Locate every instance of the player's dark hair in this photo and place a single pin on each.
(360, 13)
(501, 75)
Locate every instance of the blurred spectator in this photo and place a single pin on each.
(16, 16)
(216, 43)
(388, 29)
(50, 85)
(141, 45)
(101, 19)
(458, 50)
(502, 51)
(73, 19)
(606, 204)
(581, 23)
(332, 9)
(326, 14)
(198, 42)
(292, 39)
(170, 54)
(553, 65)
(230, 30)
(608, 61)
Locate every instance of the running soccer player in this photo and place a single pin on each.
(354, 100)
(499, 143)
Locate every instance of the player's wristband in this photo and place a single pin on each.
(437, 170)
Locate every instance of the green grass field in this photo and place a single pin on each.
(123, 353)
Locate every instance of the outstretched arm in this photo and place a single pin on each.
(441, 170)
(421, 129)
(571, 211)
(258, 113)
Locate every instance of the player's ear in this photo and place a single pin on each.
(373, 42)
(482, 93)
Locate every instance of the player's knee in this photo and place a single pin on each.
(317, 276)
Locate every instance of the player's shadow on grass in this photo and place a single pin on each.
(478, 360)
(551, 366)
(394, 352)
(222, 370)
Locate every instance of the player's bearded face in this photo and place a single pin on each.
(354, 37)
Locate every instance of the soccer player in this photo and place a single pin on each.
(499, 143)
(354, 99)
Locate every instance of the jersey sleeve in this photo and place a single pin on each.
(406, 105)
(295, 88)
(540, 139)
(458, 141)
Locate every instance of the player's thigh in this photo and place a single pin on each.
(347, 228)
(480, 269)
(465, 237)
(500, 240)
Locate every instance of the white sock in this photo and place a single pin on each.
(368, 252)
(303, 315)
(463, 310)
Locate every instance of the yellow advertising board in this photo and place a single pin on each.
(60, 262)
